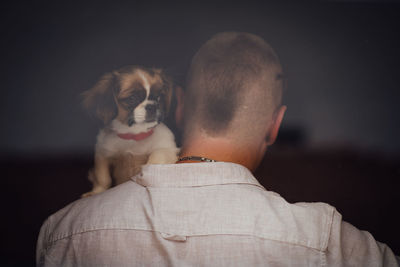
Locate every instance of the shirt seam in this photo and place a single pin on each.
(301, 243)
(202, 185)
(328, 225)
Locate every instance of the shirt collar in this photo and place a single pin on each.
(194, 174)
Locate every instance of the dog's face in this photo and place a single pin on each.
(133, 99)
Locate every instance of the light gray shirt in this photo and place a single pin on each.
(202, 214)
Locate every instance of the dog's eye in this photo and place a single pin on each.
(133, 100)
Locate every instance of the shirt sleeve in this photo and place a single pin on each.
(349, 246)
(41, 244)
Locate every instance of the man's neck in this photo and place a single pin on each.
(220, 150)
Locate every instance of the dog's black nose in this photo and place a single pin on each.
(151, 110)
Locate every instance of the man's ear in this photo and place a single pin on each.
(274, 127)
(180, 97)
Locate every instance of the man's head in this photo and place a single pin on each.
(233, 92)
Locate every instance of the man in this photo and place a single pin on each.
(208, 209)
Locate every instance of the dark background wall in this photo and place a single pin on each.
(341, 60)
(339, 141)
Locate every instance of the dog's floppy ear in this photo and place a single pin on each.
(99, 100)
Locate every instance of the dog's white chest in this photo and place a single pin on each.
(109, 144)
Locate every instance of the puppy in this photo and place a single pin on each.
(132, 102)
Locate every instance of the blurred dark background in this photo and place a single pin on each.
(339, 142)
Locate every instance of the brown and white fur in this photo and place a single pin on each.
(130, 101)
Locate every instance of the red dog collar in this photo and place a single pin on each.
(136, 137)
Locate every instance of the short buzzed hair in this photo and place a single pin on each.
(223, 73)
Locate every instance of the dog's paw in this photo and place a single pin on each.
(93, 192)
(88, 194)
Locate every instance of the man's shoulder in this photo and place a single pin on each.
(95, 212)
(306, 224)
